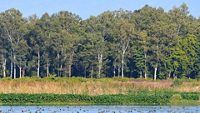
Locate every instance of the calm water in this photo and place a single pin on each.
(100, 109)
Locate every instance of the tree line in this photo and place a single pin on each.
(147, 43)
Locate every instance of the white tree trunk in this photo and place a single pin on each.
(156, 66)
(122, 68)
(118, 69)
(155, 72)
(23, 72)
(114, 72)
(124, 48)
(169, 75)
(141, 75)
(100, 60)
(14, 67)
(70, 64)
(60, 70)
(4, 68)
(69, 69)
(11, 63)
(145, 68)
(92, 72)
(20, 71)
(145, 75)
(11, 69)
(47, 69)
(38, 64)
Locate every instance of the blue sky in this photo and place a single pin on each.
(86, 8)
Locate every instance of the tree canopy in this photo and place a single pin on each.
(148, 43)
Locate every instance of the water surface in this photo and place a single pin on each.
(100, 109)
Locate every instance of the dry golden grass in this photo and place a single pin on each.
(90, 86)
(189, 87)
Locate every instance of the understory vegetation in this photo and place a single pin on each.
(145, 43)
(136, 98)
(101, 91)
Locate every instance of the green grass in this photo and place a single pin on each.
(136, 98)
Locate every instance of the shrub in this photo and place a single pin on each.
(190, 96)
(135, 98)
(177, 82)
(175, 99)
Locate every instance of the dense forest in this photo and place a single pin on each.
(147, 43)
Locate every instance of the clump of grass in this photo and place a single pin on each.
(6, 79)
(175, 99)
(177, 82)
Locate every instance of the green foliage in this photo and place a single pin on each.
(136, 98)
(175, 99)
(190, 96)
(148, 42)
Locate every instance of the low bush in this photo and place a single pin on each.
(136, 98)
(177, 82)
(190, 96)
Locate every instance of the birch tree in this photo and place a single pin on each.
(124, 33)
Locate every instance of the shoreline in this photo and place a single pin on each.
(104, 91)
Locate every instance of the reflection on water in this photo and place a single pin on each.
(99, 109)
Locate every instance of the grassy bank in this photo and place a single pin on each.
(90, 86)
(136, 98)
(104, 91)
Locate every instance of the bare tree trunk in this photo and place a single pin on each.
(141, 76)
(145, 68)
(70, 64)
(155, 72)
(4, 68)
(11, 63)
(23, 72)
(118, 69)
(122, 68)
(14, 67)
(100, 60)
(38, 64)
(125, 45)
(169, 75)
(20, 71)
(11, 67)
(145, 75)
(92, 72)
(60, 70)
(69, 69)
(156, 66)
(58, 66)
(114, 72)
(47, 69)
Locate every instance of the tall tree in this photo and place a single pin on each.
(124, 33)
(12, 21)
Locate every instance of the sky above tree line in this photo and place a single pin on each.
(87, 8)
